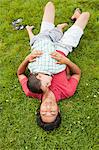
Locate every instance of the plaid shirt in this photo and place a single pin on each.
(45, 64)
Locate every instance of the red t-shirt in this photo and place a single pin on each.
(60, 86)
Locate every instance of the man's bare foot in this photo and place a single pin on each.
(29, 28)
(76, 14)
(62, 26)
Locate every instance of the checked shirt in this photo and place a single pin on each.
(45, 64)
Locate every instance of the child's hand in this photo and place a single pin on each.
(61, 59)
(32, 57)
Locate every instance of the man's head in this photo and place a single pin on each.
(50, 126)
(49, 110)
(48, 117)
(39, 83)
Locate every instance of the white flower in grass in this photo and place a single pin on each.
(88, 117)
(78, 121)
(74, 122)
(87, 84)
(15, 86)
(69, 132)
(7, 100)
(95, 96)
(35, 137)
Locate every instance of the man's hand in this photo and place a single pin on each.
(76, 72)
(32, 57)
(61, 59)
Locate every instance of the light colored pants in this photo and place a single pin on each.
(70, 38)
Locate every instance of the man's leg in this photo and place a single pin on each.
(48, 17)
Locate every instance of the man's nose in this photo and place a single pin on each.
(48, 107)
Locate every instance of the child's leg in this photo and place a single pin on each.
(72, 36)
(76, 14)
(49, 12)
(29, 30)
(82, 20)
(62, 26)
(48, 17)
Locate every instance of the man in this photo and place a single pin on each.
(63, 84)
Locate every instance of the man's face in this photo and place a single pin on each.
(48, 110)
(45, 81)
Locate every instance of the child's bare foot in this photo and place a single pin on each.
(76, 14)
(29, 28)
(62, 26)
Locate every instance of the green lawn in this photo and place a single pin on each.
(18, 128)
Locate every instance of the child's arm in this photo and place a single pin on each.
(30, 58)
(21, 69)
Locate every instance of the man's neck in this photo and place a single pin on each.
(49, 94)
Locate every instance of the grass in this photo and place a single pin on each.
(18, 128)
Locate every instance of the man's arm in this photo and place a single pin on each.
(30, 58)
(76, 72)
(68, 72)
(21, 69)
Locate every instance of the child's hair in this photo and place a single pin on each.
(34, 84)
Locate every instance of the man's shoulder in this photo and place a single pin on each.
(22, 78)
(23, 82)
(62, 87)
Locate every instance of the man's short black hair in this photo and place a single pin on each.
(48, 126)
(34, 84)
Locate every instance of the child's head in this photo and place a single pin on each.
(39, 83)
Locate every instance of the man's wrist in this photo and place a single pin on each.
(26, 60)
(67, 61)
